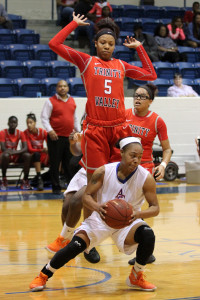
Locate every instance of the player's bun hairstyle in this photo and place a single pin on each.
(104, 25)
(31, 116)
(150, 88)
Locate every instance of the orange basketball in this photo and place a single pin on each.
(118, 213)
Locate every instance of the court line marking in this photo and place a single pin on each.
(106, 274)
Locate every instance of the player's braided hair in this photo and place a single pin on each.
(107, 23)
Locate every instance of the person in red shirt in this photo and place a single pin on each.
(189, 14)
(96, 12)
(35, 138)
(103, 79)
(9, 139)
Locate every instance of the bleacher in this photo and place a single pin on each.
(28, 67)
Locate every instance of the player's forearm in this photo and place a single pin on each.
(150, 212)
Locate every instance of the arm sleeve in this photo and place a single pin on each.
(79, 59)
(162, 130)
(147, 71)
(181, 34)
(171, 34)
(46, 114)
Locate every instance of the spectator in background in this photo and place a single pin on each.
(168, 50)
(35, 138)
(197, 141)
(176, 32)
(188, 17)
(95, 13)
(179, 89)
(148, 42)
(5, 22)
(9, 139)
(58, 117)
(193, 32)
(65, 9)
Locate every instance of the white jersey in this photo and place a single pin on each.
(129, 189)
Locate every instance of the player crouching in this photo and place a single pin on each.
(126, 180)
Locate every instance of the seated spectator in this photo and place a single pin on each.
(188, 16)
(168, 50)
(197, 141)
(95, 13)
(65, 9)
(176, 32)
(179, 89)
(35, 138)
(82, 8)
(148, 42)
(5, 22)
(9, 139)
(193, 32)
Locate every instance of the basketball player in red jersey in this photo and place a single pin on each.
(35, 138)
(9, 139)
(103, 79)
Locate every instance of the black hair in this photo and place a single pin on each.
(177, 75)
(107, 24)
(150, 88)
(195, 26)
(157, 30)
(31, 116)
(174, 19)
(12, 117)
(194, 3)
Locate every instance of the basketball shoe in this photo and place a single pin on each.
(136, 281)
(58, 244)
(4, 184)
(25, 185)
(93, 256)
(39, 283)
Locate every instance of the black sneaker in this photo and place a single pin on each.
(150, 260)
(93, 256)
(40, 184)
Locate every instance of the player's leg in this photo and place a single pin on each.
(77, 245)
(37, 164)
(143, 235)
(26, 158)
(71, 212)
(5, 157)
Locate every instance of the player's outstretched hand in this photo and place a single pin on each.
(131, 42)
(80, 20)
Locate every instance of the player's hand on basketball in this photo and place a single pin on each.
(131, 42)
(80, 20)
(102, 210)
(53, 136)
(135, 215)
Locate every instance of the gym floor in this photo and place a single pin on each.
(29, 220)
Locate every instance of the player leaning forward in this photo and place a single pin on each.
(127, 180)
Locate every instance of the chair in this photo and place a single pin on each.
(38, 69)
(62, 69)
(123, 35)
(13, 69)
(191, 53)
(43, 52)
(17, 21)
(186, 69)
(76, 87)
(197, 68)
(162, 85)
(8, 88)
(155, 12)
(4, 52)
(20, 52)
(165, 69)
(172, 11)
(27, 36)
(197, 85)
(136, 63)
(7, 36)
(123, 53)
(126, 24)
(50, 85)
(149, 24)
(29, 87)
(133, 82)
(117, 10)
(133, 11)
(165, 21)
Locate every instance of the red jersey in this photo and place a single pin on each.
(103, 80)
(35, 141)
(97, 9)
(147, 128)
(11, 140)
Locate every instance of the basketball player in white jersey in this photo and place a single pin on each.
(131, 182)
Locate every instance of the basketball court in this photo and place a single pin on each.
(30, 220)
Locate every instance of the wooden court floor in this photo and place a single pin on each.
(31, 220)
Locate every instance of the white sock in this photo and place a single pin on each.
(67, 232)
(138, 267)
(48, 267)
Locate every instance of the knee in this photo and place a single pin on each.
(36, 157)
(5, 156)
(76, 203)
(26, 156)
(145, 235)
